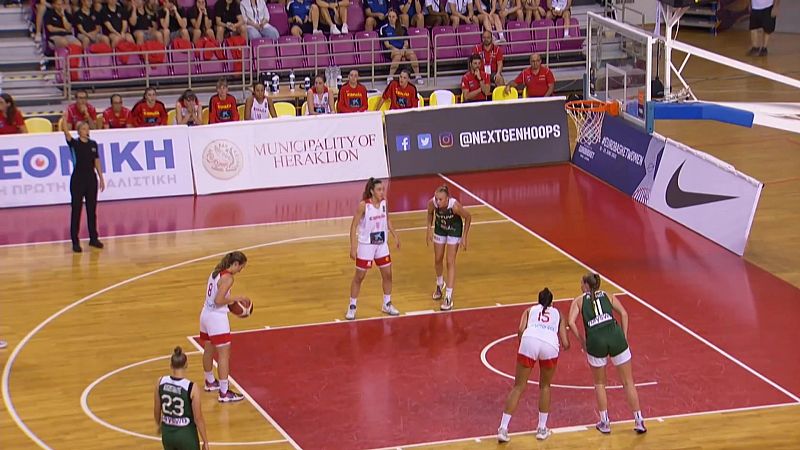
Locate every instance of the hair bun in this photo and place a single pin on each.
(178, 350)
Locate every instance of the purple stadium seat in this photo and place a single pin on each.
(575, 40)
(210, 4)
(186, 4)
(291, 52)
(468, 36)
(519, 38)
(366, 41)
(99, 66)
(180, 62)
(213, 66)
(265, 54)
(279, 20)
(541, 30)
(316, 50)
(418, 41)
(448, 39)
(355, 17)
(274, 7)
(343, 50)
(124, 71)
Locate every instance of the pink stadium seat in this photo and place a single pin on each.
(186, 4)
(418, 40)
(343, 50)
(445, 37)
(99, 66)
(575, 40)
(265, 54)
(180, 62)
(279, 20)
(291, 52)
(213, 66)
(355, 17)
(519, 38)
(468, 37)
(124, 71)
(366, 42)
(274, 7)
(316, 50)
(540, 34)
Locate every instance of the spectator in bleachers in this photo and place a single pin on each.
(537, 79)
(256, 19)
(488, 16)
(59, 26)
(375, 12)
(410, 11)
(434, 14)
(352, 95)
(228, 16)
(491, 57)
(334, 14)
(142, 21)
(11, 120)
(318, 99)
(116, 115)
(173, 24)
(41, 8)
(80, 111)
(399, 47)
(511, 8)
(149, 111)
(400, 94)
(115, 20)
(560, 9)
(188, 110)
(200, 22)
(534, 10)
(475, 84)
(461, 12)
(258, 106)
(222, 107)
(303, 17)
(87, 23)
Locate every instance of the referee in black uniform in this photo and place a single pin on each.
(83, 183)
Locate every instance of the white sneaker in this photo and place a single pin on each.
(335, 30)
(351, 313)
(420, 81)
(640, 428)
(566, 33)
(345, 30)
(3, 344)
(543, 433)
(502, 435)
(317, 31)
(390, 309)
(603, 427)
(447, 304)
(389, 80)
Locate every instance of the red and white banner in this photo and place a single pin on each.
(288, 151)
(705, 194)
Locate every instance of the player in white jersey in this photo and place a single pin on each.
(540, 331)
(368, 243)
(258, 106)
(318, 98)
(215, 330)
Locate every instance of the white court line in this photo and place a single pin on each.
(88, 411)
(24, 341)
(486, 363)
(649, 306)
(223, 227)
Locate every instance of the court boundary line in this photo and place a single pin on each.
(88, 411)
(4, 386)
(681, 326)
(222, 227)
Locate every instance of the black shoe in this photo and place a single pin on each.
(96, 243)
(76, 248)
(753, 51)
(763, 52)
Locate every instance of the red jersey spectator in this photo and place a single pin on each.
(475, 84)
(149, 111)
(401, 94)
(116, 115)
(491, 58)
(537, 79)
(222, 107)
(352, 96)
(80, 111)
(11, 120)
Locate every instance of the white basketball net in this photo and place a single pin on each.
(589, 123)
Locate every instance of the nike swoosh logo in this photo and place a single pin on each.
(678, 198)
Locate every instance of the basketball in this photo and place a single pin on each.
(242, 308)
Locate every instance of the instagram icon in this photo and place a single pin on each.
(446, 139)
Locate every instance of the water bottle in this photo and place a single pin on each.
(276, 80)
(291, 80)
(307, 83)
(339, 82)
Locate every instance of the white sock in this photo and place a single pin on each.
(604, 416)
(543, 420)
(504, 421)
(440, 281)
(387, 299)
(637, 415)
(448, 292)
(223, 386)
(210, 376)
(353, 300)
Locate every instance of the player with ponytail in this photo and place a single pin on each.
(540, 331)
(215, 329)
(605, 338)
(448, 226)
(369, 243)
(177, 409)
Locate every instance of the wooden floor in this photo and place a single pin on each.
(73, 351)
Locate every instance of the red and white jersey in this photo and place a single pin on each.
(211, 293)
(374, 225)
(543, 325)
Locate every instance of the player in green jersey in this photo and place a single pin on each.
(605, 337)
(448, 227)
(177, 409)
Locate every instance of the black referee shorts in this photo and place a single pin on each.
(762, 18)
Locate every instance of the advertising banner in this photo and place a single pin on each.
(288, 151)
(706, 195)
(625, 157)
(35, 169)
(480, 136)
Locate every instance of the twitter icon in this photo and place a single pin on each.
(424, 141)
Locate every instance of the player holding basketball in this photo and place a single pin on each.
(605, 338)
(368, 243)
(450, 222)
(177, 408)
(540, 331)
(215, 330)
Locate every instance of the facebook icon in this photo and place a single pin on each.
(403, 143)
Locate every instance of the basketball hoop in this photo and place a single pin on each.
(588, 117)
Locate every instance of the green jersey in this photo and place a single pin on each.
(445, 221)
(604, 337)
(178, 429)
